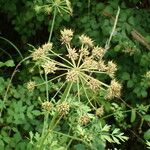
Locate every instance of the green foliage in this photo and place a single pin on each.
(148, 144)
(23, 118)
(147, 135)
(8, 63)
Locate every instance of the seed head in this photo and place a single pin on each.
(147, 75)
(99, 111)
(47, 105)
(98, 52)
(47, 46)
(89, 63)
(49, 67)
(63, 108)
(72, 54)
(31, 86)
(84, 51)
(85, 119)
(101, 65)
(86, 40)
(66, 36)
(111, 68)
(72, 75)
(38, 54)
(114, 90)
(94, 84)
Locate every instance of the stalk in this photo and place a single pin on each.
(64, 96)
(54, 119)
(9, 83)
(52, 26)
(46, 84)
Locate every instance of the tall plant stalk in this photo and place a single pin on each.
(46, 117)
(55, 117)
(52, 26)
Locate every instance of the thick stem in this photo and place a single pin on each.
(64, 96)
(46, 84)
(54, 119)
(45, 126)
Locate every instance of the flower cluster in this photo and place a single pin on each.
(80, 65)
(94, 84)
(85, 40)
(111, 68)
(79, 68)
(84, 119)
(114, 90)
(47, 105)
(99, 111)
(147, 75)
(72, 54)
(66, 36)
(98, 52)
(72, 75)
(31, 86)
(41, 52)
(49, 67)
(63, 108)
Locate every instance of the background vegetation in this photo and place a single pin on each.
(23, 24)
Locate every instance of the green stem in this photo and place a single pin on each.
(46, 83)
(75, 138)
(51, 79)
(47, 94)
(9, 83)
(45, 123)
(107, 45)
(14, 46)
(54, 119)
(60, 101)
(52, 26)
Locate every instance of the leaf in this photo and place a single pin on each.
(116, 130)
(125, 76)
(117, 48)
(99, 6)
(133, 115)
(146, 117)
(115, 140)
(148, 144)
(130, 84)
(80, 147)
(69, 6)
(9, 63)
(108, 10)
(36, 112)
(144, 93)
(2, 104)
(106, 138)
(131, 20)
(123, 16)
(1, 144)
(106, 128)
(31, 135)
(147, 135)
